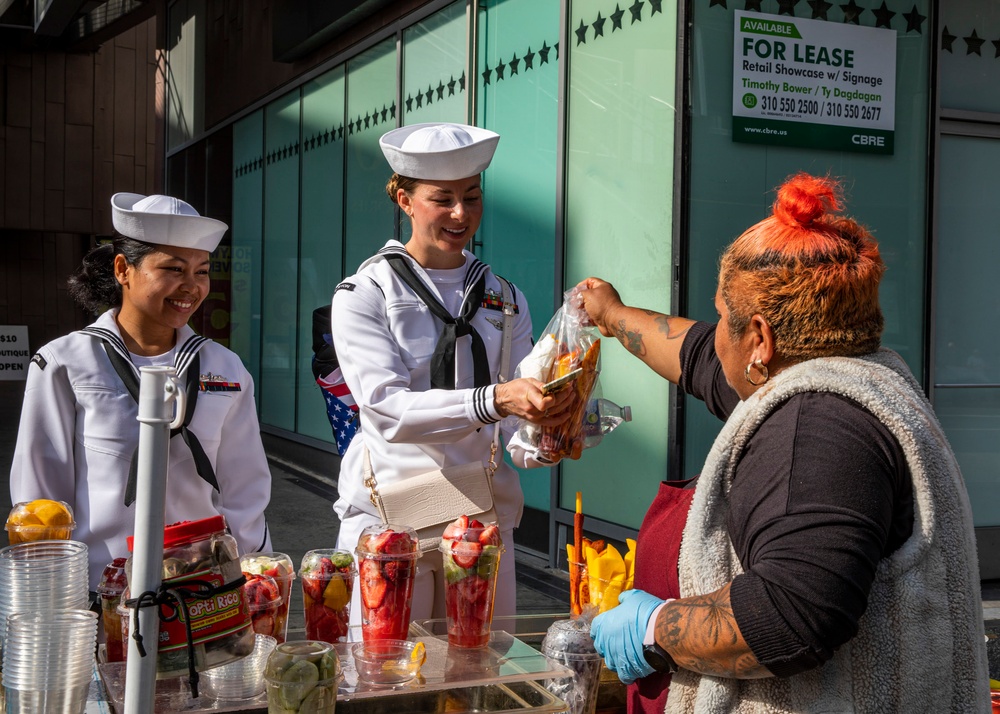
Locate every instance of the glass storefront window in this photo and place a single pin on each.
(970, 72)
(281, 265)
(248, 241)
(321, 231)
(434, 59)
(517, 89)
(619, 178)
(371, 111)
(185, 78)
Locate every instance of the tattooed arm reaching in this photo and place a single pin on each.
(654, 338)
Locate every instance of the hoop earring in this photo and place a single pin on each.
(760, 367)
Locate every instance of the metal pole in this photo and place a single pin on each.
(161, 407)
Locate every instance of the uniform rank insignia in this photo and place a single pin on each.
(216, 383)
(493, 300)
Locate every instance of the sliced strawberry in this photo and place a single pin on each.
(373, 585)
(376, 543)
(398, 544)
(391, 569)
(454, 531)
(264, 624)
(475, 524)
(465, 554)
(490, 535)
(260, 590)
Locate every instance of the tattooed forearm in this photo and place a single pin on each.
(630, 339)
(701, 634)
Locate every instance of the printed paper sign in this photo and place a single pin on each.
(811, 83)
(15, 354)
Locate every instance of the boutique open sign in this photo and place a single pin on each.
(812, 83)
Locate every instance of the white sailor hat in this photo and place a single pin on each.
(164, 220)
(436, 151)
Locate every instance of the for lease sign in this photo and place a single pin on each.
(812, 83)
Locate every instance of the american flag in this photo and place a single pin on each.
(341, 408)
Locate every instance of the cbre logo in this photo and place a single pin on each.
(867, 140)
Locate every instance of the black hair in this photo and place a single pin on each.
(94, 286)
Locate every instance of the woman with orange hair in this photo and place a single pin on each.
(824, 559)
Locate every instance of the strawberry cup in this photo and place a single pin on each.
(264, 601)
(278, 566)
(327, 582)
(387, 564)
(471, 553)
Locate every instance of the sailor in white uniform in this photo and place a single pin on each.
(78, 432)
(428, 394)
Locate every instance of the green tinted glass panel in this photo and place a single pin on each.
(619, 192)
(281, 250)
(518, 84)
(247, 230)
(434, 58)
(968, 55)
(732, 187)
(371, 111)
(966, 371)
(321, 230)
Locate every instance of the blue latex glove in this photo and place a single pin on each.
(619, 632)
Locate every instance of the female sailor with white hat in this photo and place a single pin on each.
(78, 432)
(427, 392)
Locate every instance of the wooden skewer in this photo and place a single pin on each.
(576, 607)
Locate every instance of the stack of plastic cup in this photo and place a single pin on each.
(48, 660)
(41, 576)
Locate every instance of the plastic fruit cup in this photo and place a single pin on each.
(387, 564)
(599, 592)
(111, 588)
(470, 573)
(278, 566)
(388, 661)
(41, 519)
(302, 677)
(327, 578)
(263, 600)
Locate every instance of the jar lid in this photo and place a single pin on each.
(187, 531)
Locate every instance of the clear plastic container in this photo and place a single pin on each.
(568, 642)
(387, 556)
(327, 577)
(41, 519)
(303, 677)
(113, 585)
(220, 624)
(278, 566)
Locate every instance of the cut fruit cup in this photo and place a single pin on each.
(41, 519)
(327, 576)
(278, 566)
(302, 677)
(387, 556)
(471, 557)
(597, 591)
(264, 601)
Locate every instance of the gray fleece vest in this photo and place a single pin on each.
(920, 645)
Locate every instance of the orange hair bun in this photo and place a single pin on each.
(804, 198)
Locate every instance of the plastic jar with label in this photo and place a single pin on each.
(221, 629)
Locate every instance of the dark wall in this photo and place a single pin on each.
(77, 128)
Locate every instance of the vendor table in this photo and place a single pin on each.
(501, 677)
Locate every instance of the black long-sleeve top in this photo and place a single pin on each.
(820, 494)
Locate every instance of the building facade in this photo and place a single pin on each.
(638, 139)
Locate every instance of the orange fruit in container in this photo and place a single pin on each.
(41, 519)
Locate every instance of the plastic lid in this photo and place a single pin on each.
(187, 531)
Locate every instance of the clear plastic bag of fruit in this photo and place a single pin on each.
(568, 346)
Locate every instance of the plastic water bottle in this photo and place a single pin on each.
(602, 416)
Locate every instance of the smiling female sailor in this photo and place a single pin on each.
(428, 396)
(78, 432)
